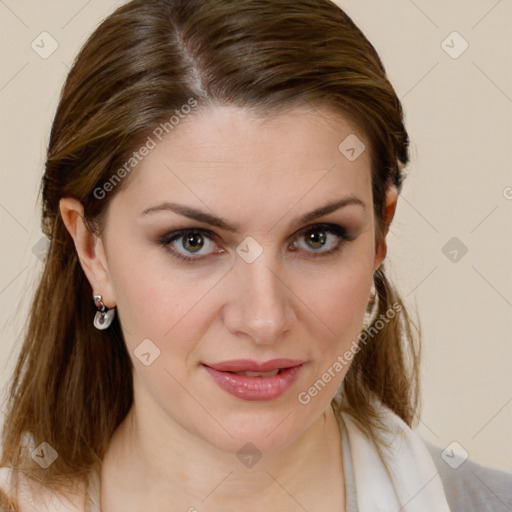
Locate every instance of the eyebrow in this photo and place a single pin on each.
(213, 220)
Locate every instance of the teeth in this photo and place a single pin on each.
(258, 374)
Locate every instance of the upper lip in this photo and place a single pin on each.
(239, 365)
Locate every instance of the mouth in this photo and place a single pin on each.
(249, 365)
(247, 373)
(255, 384)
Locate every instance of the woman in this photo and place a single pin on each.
(214, 327)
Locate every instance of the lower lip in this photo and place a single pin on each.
(255, 388)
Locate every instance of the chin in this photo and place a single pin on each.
(259, 432)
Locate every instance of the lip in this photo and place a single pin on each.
(254, 388)
(240, 365)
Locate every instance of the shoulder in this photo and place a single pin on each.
(33, 497)
(471, 487)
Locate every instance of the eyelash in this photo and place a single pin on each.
(334, 229)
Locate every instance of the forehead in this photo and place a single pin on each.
(231, 156)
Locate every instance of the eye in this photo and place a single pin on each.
(192, 241)
(330, 237)
(193, 244)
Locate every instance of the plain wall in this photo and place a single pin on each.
(459, 116)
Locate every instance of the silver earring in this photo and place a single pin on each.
(372, 309)
(104, 315)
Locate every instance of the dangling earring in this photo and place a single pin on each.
(104, 315)
(372, 309)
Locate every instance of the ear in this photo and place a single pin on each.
(389, 213)
(89, 248)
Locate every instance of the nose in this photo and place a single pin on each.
(261, 305)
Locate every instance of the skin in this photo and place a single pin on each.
(177, 447)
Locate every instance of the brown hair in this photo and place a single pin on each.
(72, 384)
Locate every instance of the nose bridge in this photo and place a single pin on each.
(261, 305)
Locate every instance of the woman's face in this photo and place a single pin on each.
(192, 292)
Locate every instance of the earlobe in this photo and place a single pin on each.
(380, 254)
(89, 248)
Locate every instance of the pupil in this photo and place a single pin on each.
(194, 242)
(318, 238)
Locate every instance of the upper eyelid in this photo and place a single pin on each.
(178, 233)
(326, 225)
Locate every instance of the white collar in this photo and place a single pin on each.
(412, 484)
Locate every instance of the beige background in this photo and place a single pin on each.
(459, 115)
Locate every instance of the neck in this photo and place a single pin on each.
(170, 466)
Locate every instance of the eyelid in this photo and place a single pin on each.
(340, 231)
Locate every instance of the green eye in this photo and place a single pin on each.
(193, 242)
(317, 237)
(183, 244)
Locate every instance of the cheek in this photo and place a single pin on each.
(342, 291)
(339, 302)
(339, 307)
(339, 296)
(156, 300)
